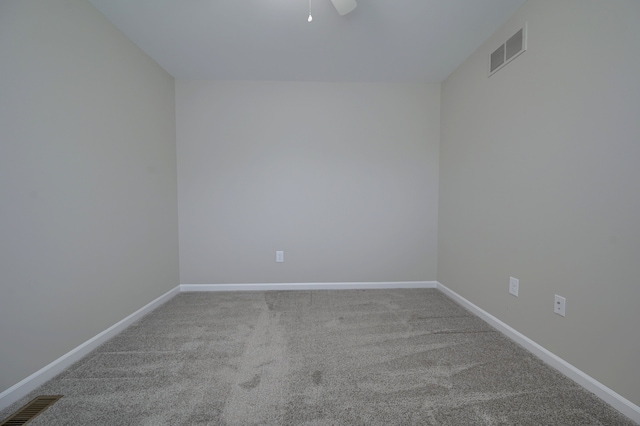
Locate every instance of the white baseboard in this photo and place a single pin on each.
(22, 388)
(307, 286)
(612, 398)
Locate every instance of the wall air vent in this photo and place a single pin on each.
(508, 51)
(497, 58)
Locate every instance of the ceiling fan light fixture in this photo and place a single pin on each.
(344, 6)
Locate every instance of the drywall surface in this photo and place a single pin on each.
(342, 177)
(540, 181)
(88, 229)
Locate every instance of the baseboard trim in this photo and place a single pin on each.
(307, 286)
(22, 388)
(609, 396)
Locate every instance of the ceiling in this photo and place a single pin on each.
(382, 40)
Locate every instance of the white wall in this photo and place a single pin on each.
(343, 177)
(88, 210)
(540, 180)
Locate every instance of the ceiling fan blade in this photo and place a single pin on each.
(344, 6)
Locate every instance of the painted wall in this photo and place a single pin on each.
(342, 177)
(88, 199)
(540, 180)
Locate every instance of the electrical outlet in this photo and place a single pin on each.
(559, 305)
(514, 286)
(279, 256)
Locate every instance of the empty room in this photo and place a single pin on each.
(319, 212)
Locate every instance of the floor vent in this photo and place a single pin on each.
(31, 410)
(508, 51)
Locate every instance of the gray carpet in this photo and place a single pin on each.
(356, 357)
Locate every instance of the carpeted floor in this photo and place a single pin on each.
(350, 357)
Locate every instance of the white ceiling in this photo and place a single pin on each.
(382, 40)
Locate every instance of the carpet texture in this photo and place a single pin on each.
(349, 357)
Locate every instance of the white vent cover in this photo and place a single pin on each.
(508, 51)
(497, 59)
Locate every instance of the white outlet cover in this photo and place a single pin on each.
(560, 305)
(279, 256)
(514, 286)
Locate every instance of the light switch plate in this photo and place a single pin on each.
(279, 256)
(514, 286)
